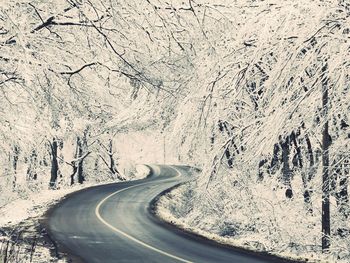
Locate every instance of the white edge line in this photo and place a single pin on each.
(98, 215)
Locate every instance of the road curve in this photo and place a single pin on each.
(113, 223)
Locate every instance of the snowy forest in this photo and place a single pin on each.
(255, 93)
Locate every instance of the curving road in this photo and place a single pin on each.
(113, 223)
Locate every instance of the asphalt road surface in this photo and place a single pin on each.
(113, 223)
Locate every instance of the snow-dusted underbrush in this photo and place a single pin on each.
(256, 216)
(22, 237)
(27, 242)
(30, 200)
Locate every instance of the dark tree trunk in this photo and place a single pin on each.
(96, 168)
(229, 158)
(81, 177)
(261, 169)
(285, 161)
(310, 174)
(74, 165)
(16, 151)
(326, 142)
(32, 166)
(311, 156)
(275, 159)
(54, 163)
(74, 172)
(228, 154)
(112, 165)
(80, 154)
(343, 196)
(298, 159)
(286, 171)
(15, 157)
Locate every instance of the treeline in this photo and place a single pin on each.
(255, 92)
(67, 92)
(272, 116)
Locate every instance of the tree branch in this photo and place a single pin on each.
(78, 70)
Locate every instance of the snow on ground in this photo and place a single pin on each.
(176, 207)
(23, 239)
(36, 204)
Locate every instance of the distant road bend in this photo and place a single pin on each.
(113, 223)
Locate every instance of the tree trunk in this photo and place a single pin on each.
(112, 165)
(298, 159)
(343, 196)
(96, 168)
(32, 166)
(275, 159)
(54, 163)
(261, 169)
(228, 154)
(326, 142)
(229, 158)
(74, 172)
(80, 171)
(16, 151)
(286, 171)
(311, 157)
(309, 175)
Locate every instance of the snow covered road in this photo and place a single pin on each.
(113, 223)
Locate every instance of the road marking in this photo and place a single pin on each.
(98, 215)
(77, 237)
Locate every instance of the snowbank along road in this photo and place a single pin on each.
(114, 223)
